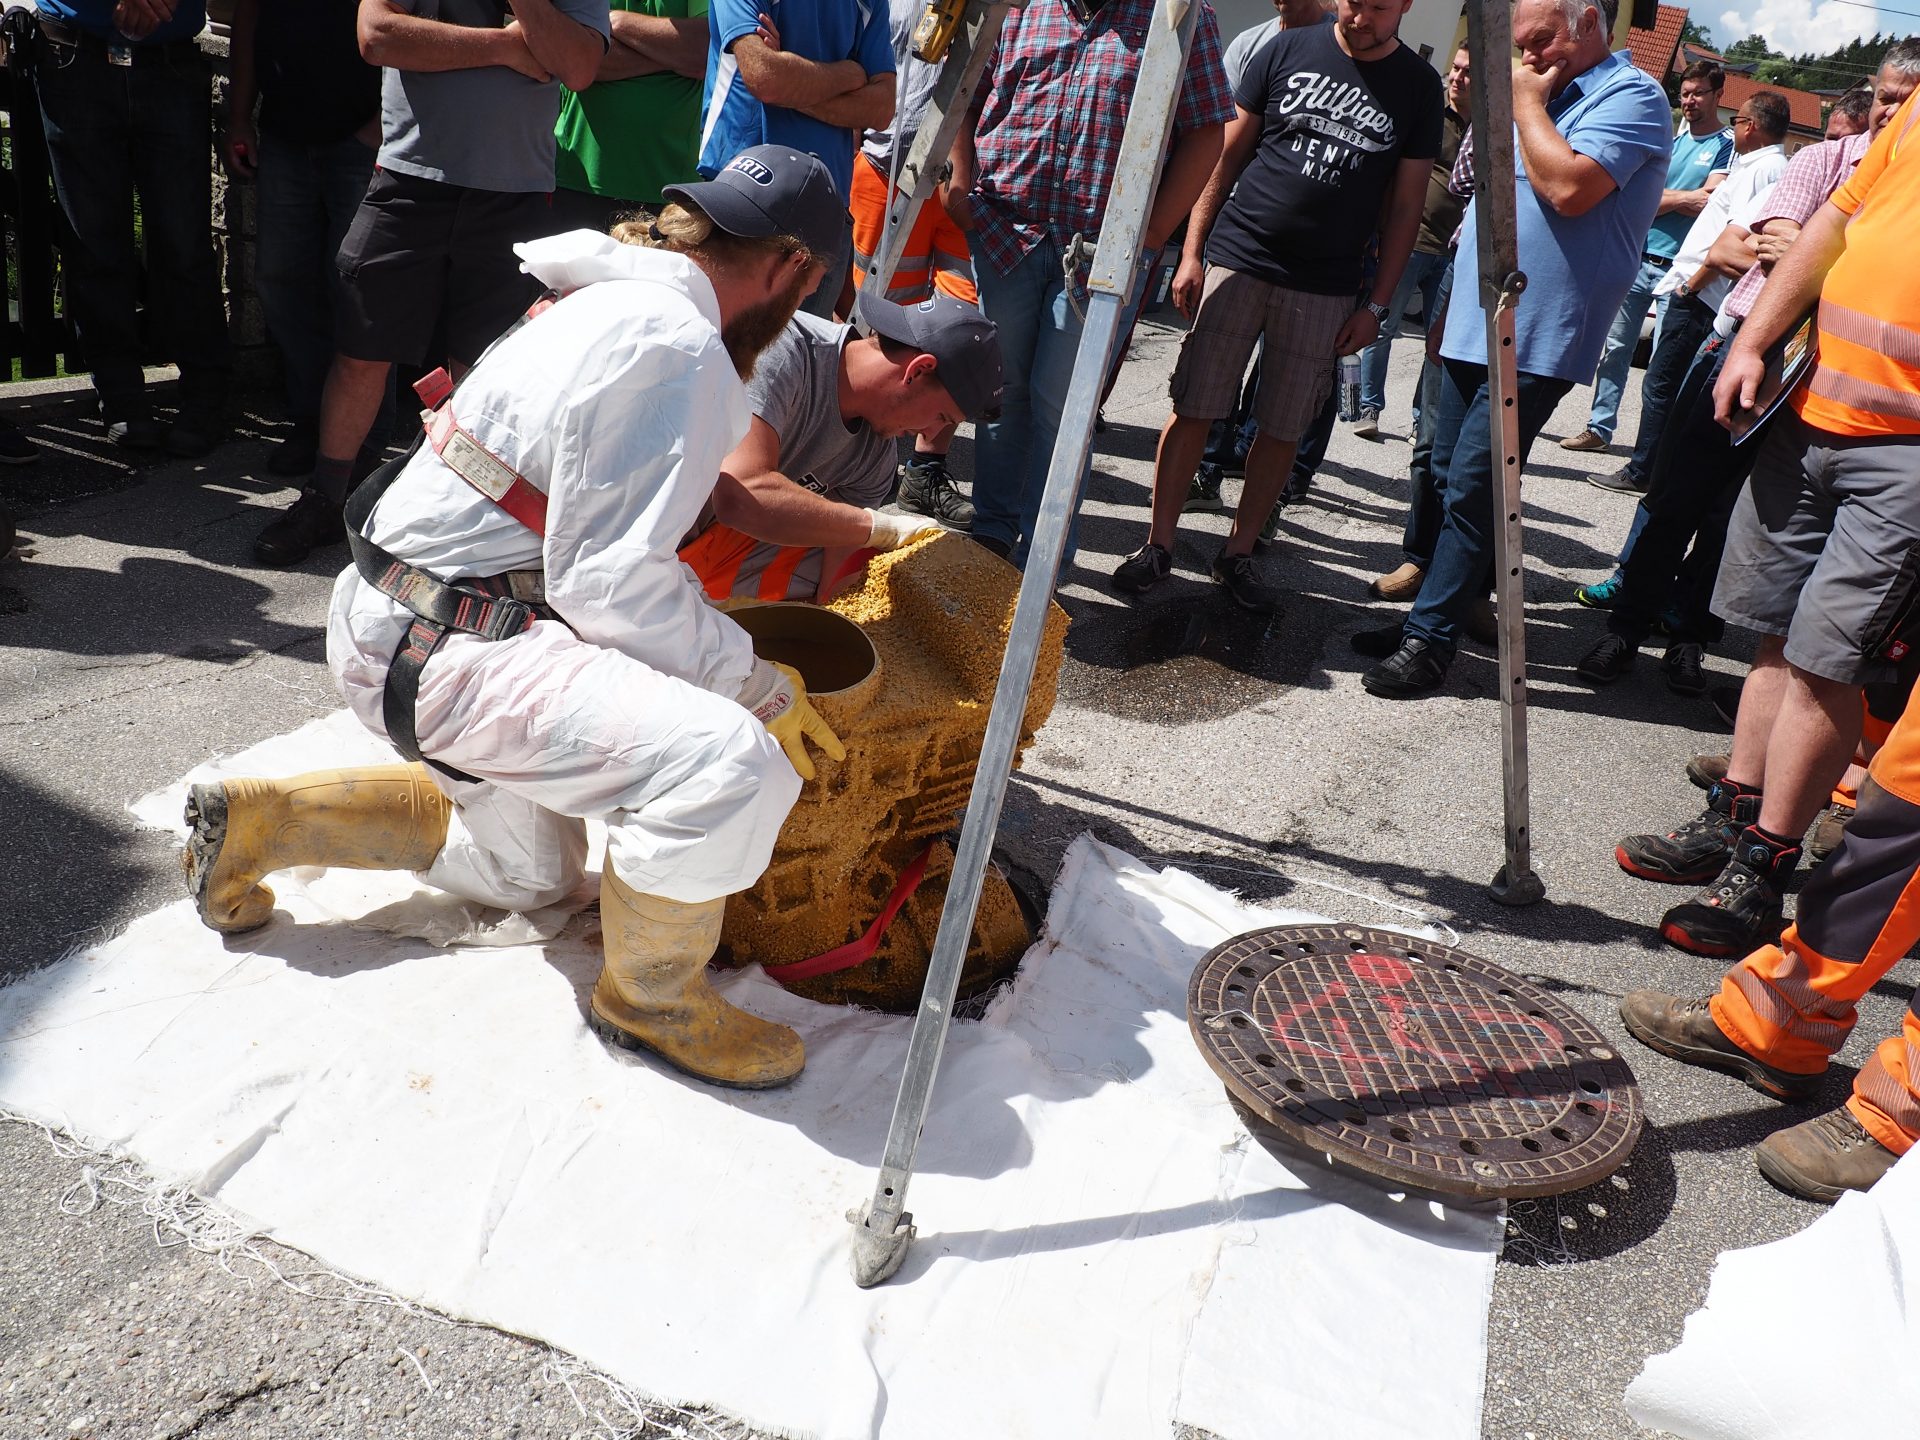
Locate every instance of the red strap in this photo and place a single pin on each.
(485, 471)
(858, 952)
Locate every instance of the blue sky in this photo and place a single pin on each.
(1806, 26)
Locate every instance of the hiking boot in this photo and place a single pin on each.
(1399, 584)
(1828, 831)
(1621, 482)
(1742, 909)
(1706, 771)
(1411, 670)
(1235, 572)
(1686, 673)
(1367, 423)
(1685, 1030)
(927, 489)
(1143, 569)
(1696, 851)
(1607, 661)
(192, 436)
(1601, 596)
(1203, 491)
(1585, 440)
(1823, 1158)
(306, 525)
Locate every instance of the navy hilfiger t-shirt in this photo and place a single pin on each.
(1334, 132)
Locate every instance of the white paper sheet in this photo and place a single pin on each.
(1103, 1250)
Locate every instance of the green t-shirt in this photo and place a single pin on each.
(625, 139)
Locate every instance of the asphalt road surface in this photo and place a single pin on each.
(137, 639)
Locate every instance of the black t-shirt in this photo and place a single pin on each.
(1335, 131)
(314, 87)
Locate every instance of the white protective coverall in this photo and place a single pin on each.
(620, 401)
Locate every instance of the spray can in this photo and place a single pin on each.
(1347, 372)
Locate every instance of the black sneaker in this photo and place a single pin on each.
(1606, 661)
(1378, 644)
(1203, 492)
(1248, 591)
(306, 525)
(1620, 482)
(15, 448)
(133, 431)
(927, 489)
(1725, 700)
(1686, 672)
(1696, 851)
(1411, 670)
(1142, 570)
(1741, 910)
(192, 436)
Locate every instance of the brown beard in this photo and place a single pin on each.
(751, 331)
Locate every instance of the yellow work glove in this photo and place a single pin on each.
(777, 697)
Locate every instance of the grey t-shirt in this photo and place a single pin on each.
(486, 129)
(796, 389)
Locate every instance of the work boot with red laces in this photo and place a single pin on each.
(1696, 851)
(1741, 910)
(1824, 1158)
(1685, 1030)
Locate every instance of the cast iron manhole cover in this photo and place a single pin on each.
(1416, 1063)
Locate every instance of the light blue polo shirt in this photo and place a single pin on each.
(824, 30)
(1578, 268)
(1693, 161)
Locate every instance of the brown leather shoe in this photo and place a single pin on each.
(1707, 771)
(1828, 831)
(1685, 1030)
(1400, 584)
(1823, 1158)
(1585, 440)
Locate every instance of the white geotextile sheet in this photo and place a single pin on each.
(1103, 1250)
(1814, 1337)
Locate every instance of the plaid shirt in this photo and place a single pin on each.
(1809, 180)
(1056, 102)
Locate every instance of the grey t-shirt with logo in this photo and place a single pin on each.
(796, 389)
(486, 129)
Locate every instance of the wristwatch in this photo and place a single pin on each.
(1380, 312)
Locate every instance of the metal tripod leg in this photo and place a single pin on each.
(1489, 43)
(940, 123)
(883, 1231)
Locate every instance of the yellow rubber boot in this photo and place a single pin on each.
(653, 993)
(378, 817)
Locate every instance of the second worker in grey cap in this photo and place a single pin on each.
(819, 457)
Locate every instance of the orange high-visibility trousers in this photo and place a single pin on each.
(936, 256)
(1792, 1004)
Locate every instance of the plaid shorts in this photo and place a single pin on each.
(1296, 366)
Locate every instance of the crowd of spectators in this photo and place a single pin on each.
(1319, 178)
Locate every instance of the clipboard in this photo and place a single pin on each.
(1788, 361)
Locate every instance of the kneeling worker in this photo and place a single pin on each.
(563, 471)
(827, 408)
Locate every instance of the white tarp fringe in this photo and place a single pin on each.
(1103, 1250)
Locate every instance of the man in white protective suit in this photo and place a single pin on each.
(517, 619)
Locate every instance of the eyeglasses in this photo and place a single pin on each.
(1743, 120)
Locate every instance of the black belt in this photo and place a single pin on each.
(483, 606)
(1663, 262)
(78, 39)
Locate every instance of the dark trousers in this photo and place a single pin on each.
(307, 198)
(1425, 506)
(113, 130)
(1463, 455)
(1688, 321)
(1697, 475)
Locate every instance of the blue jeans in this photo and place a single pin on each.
(1423, 273)
(1616, 359)
(113, 130)
(1463, 454)
(1425, 504)
(307, 197)
(1683, 326)
(1039, 341)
